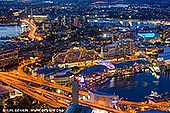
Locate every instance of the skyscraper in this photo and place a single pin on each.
(75, 92)
(76, 22)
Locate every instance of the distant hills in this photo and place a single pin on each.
(120, 1)
(167, 2)
(148, 1)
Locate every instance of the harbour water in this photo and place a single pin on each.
(119, 23)
(135, 88)
(9, 31)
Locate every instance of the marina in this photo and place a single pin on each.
(152, 78)
(130, 87)
(85, 56)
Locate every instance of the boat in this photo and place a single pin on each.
(154, 97)
(154, 94)
(157, 69)
(158, 98)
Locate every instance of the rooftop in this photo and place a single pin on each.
(152, 112)
(5, 89)
(129, 63)
(102, 93)
(75, 108)
(92, 70)
(58, 73)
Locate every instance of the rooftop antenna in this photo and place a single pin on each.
(31, 16)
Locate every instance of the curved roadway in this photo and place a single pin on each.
(47, 96)
(33, 29)
(19, 81)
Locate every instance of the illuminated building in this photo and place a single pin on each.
(167, 41)
(56, 75)
(3, 19)
(64, 79)
(122, 47)
(39, 18)
(5, 92)
(8, 57)
(25, 27)
(77, 56)
(76, 22)
(105, 99)
(109, 65)
(90, 76)
(75, 108)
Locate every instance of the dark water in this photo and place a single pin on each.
(137, 87)
(9, 31)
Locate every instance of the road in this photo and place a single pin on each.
(33, 29)
(42, 82)
(20, 70)
(31, 91)
(20, 81)
(48, 97)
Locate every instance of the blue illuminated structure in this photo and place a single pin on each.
(146, 35)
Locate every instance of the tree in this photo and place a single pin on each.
(26, 69)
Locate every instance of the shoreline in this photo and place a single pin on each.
(9, 24)
(149, 85)
(7, 32)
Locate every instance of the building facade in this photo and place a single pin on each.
(120, 48)
(8, 57)
(103, 98)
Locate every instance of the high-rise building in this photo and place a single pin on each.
(64, 21)
(67, 21)
(8, 57)
(120, 48)
(75, 92)
(105, 99)
(31, 16)
(76, 22)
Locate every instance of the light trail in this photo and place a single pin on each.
(29, 91)
(50, 100)
(22, 77)
(33, 29)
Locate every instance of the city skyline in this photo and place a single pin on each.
(109, 56)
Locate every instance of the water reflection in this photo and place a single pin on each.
(135, 88)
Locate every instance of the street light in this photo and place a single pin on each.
(59, 91)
